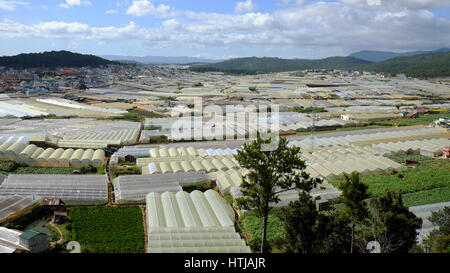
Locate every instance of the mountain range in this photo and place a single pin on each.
(431, 64)
(435, 64)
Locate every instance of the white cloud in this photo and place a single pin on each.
(111, 11)
(147, 8)
(11, 5)
(324, 28)
(71, 3)
(401, 4)
(247, 6)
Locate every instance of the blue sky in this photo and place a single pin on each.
(223, 29)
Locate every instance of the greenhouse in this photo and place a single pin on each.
(14, 204)
(187, 164)
(379, 136)
(191, 223)
(18, 149)
(133, 151)
(10, 240)
(189, 151)
(134, 188)
(73, 189)
(427, 147)
(98, 140)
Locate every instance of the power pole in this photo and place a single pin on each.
(313, 124)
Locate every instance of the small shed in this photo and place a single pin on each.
(34, 241)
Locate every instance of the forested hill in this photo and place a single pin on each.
(380, 56)
(417, 66)
(253, 65)
(53, 59)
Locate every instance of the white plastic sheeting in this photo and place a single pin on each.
(73, 189)
(17, 148)
(345, 140)
(188, 164)
(14, 204)
(427, 147)
(191, 223)
(134, 188)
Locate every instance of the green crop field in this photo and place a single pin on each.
(253, 229)
(7, 166)
(108, 229)
(43, 170)
(420, 185)
(437, 195)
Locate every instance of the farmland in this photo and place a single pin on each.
(7, 166)
(43, 170)
(421, 185)
(108, 229)
(437, 195)
(421, 120)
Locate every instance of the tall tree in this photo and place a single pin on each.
(311, 231)
(270, 173)
(354, 192)
(439, 239)
(300, 218)
(395, 225)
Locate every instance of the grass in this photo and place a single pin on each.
(108, 229)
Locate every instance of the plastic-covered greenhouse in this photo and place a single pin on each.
(191, 223)
(187, 164)
(427, 147)
(18, 149)
(73, 189)
(134, 188)
(14, 204)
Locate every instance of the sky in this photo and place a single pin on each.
(223, 29)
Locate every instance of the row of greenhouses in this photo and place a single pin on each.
(100, 139)
(134, 188)
(187, 164)
(426, 147)
(324, 141)
(32, 155)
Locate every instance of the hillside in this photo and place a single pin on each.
(380, 56)
(417, 66)
(52, 59)
(253, 65)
